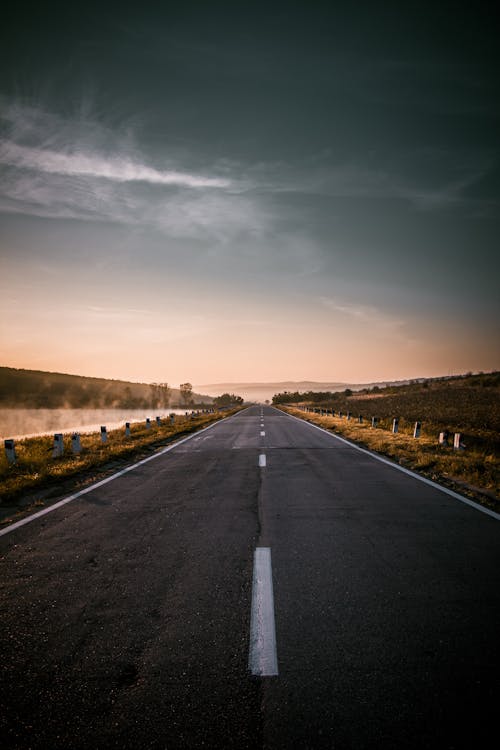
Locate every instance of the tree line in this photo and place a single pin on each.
(315, 397)
(33, 389)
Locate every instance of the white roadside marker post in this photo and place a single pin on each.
(443, 438)
(76, 446)
(148, 423)
(360, 419)
(58, 449)
(457, 442)
(127, 429)
(395, 425)
(417, 429)
(374, 421)
(104, 434)
(10, 451)
(158, 421)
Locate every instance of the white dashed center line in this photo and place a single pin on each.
(262, 459)
(262, 658)
(262, 433)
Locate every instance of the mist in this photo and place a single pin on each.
(23, 423)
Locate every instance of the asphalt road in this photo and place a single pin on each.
(126, 614)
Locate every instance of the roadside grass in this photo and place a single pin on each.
(473, 472)
(35, 467)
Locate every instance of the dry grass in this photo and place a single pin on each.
(474, 471)
(36, 468)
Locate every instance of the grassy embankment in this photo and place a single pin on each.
(37, 469)
(465, 405)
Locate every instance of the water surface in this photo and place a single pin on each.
(21, 423)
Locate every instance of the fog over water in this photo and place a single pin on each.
(21, 423)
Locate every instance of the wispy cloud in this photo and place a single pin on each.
(325, 176)
(118, 168)
(67, 168)
(117, 312)
(366, 314)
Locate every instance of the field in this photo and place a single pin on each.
(36, 469)
(468, 405)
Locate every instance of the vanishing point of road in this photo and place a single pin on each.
(262, 584)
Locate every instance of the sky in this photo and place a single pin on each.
(241, 191)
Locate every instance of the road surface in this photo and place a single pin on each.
(261, 585)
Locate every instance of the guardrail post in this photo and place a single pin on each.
(127, 429)
(104, 434)
(76, 446)
(58, 449)
(172, 419)
(148, 423)
(348, 415)
(10, 451)
(395, 425)
(416, 429)
(443, 438)
(457, 441)
(374, 421)
(158, 421)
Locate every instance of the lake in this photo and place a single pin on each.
(21, 423)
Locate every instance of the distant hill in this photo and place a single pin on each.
(469, 402)
(261, 392)
(36, 389)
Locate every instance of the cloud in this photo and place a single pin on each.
(119, 169)
(426, 179)
(366, 314)
(76, 168)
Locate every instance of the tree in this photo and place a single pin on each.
(165, 394)
(186, 393)
(227, 399)
(160, 395)
(155, 395)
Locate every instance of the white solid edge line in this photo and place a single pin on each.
(262, 657)
(93, 487)
(262, 460)
(453, 494)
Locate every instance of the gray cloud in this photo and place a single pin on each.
(116, 168)
(63, 168)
